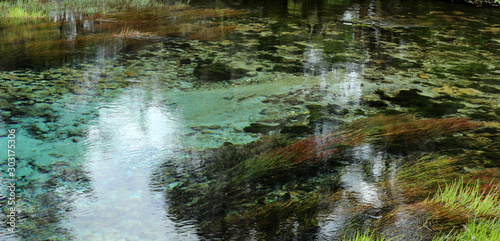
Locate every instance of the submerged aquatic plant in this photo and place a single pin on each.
(279, 182)
(420, 176)
(258, 186)
(408, 130)
(427, 128)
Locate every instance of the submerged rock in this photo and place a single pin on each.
(215, 72)
(424, 105)
(259, 128)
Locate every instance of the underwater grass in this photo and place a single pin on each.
(421, 176)
(407, 129)
(279, 180)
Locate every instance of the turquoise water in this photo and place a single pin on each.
(98, 115)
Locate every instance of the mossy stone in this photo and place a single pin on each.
(391, 112)
(376, 103)
(424, 105)
(259, 128)
(216, 72)
(441, 109)
(296, 130)
(319, 111)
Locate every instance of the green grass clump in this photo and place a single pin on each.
(25, 10)
(364, 236)
(469, 198)
(481, 230)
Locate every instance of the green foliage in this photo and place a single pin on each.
(469, 198)
(365, 236)
(35, 9)
(482, 229)
(24, 10)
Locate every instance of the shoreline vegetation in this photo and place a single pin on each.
(38, 9)
(42, 9)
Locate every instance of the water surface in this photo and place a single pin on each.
(99, 113)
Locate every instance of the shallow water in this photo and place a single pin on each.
(97, 114)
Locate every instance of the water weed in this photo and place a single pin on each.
(421, 176)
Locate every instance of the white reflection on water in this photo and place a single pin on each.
(354, 177)
(130, 136)
(358, 181)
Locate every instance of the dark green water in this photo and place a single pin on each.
(101, 120)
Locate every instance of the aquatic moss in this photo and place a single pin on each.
(320, 112)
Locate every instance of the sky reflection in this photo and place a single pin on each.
(129, 137)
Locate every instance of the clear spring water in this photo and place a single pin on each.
(97, 113)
